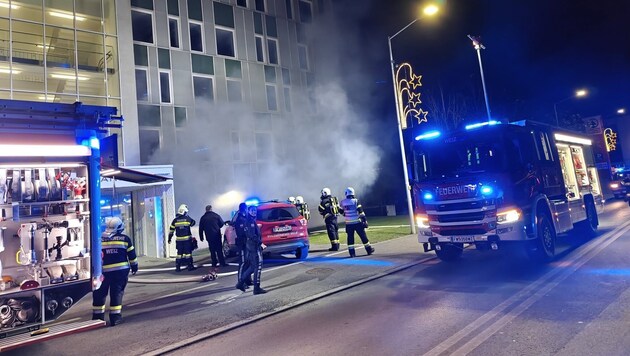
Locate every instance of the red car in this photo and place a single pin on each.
(283, 230)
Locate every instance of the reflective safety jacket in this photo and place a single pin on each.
(328, 206)
(352, 210)
(181, 227)
(303, 210)
(118, 252)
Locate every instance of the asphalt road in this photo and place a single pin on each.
(487, 303)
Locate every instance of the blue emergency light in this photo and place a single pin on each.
(481, 124)
(428, 135)
(252, 201)
(486, 190)
(427, 196)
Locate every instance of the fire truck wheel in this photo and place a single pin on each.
(449, 252)
(588, 228)
(545, 245)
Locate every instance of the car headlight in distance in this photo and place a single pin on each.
(422, 221)
(614, 185)
(508, 216)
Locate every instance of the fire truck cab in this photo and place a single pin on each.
(494, 184)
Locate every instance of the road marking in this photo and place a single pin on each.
(170, 295)
(222, 299)
(525, 298)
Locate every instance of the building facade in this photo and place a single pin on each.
(211, 85)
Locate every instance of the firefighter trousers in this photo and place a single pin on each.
(360, 230)
(114, 284)
(184, 253)
(333, 231)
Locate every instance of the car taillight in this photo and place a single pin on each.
(259, 226)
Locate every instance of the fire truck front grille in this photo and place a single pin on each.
(477, 204)
(464, 217)
(468, 231)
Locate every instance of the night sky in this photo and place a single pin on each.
(538, 52)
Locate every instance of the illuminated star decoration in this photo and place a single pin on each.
(610, 138)
(408, 99)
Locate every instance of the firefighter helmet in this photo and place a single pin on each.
(326, 192)
(114, 226)
(183, 209)
(349, 191)
(292, 200)
(299, 199)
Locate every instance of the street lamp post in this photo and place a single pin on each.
(578, 94)
(429, 10)
(478, 47)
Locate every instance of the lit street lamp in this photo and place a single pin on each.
(621, 111)
(578, 94)
(478, 47)
(428, 11)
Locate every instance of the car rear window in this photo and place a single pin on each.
(277, 214)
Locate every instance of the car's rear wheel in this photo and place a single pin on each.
(301, 253)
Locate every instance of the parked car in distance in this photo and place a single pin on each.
(283, 230)
(620, 186)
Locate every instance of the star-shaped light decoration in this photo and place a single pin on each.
(610, 137)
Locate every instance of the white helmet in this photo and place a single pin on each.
(113, 226)
(349, 191)
(326, 192)
(292, 200)
(183, 209)
(299, 199)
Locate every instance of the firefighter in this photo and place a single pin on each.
(355, 221)
(238, 221)
(302, 207)
(329, 209)
(254, 247)
(210, 224)
(183, 238)
(291, 200)
(119, 256)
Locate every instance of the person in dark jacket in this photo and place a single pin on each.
(210, 224)
(238, 222)
(180, 227)
(355, 221)
(119, 257)
(329, 209)
(254, 247)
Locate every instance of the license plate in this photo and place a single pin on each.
(285, 228)
(463, 238)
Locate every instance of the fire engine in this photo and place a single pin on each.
(50, 215)
(492, 184)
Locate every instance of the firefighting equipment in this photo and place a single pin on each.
(355, 222)
(183, 209)
(325, 192)
(195, 244)
(41, 185)
(27, 187)
(329, 209)
(180, 227)
(114, 226)
(302, 207)
(291, 200)
(299, 200)
(15, 312)
(28, 284)
(349, 191)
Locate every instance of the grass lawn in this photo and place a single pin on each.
(381, 228)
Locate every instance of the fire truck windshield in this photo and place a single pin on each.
(459, 157)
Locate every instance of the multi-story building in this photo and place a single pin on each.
(209, 86)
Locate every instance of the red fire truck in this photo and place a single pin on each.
(50, 215)
(493, 184)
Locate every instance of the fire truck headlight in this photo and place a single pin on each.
(422, 221)
(508, 216)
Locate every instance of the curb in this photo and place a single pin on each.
(297, 303)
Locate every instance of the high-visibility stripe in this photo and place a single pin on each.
(186, 256)
(183, 238)
(130, 249)
(122, 244)
(335, 241)
(182, 223)
(134, 261)
(115, 268)
(116, 264)
(115, 307)
(98, 307)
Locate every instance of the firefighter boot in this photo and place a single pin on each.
(352, 254)
(98, 317)
(178, 268)
(191, 267)
(258, 290)
(369, 249)
(115, 319)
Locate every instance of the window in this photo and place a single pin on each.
(272, 102)
(173, 7)
(234, 91)
(149, 116)
(225, 42)
(260, 5)
(303, 57)
(203, 88)
(149, 143)
(194, 10)
(173, 31)
(301, 34)
(145, 4)
(289, 10)
(202, 64)
(272, 49)
(272, 30)
(258, 24)
(263, 146)
(140, 55)
(260, 51)
(180, 116)
(142, 85)
(165, 87)
(242, 3)
(196, 36)
(306, 11)
(286, 76)
(233, 69)
(287, 99)
(223, 15)
(142, 26)
(164, 58)
(270, 74)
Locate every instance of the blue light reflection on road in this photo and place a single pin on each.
(357, 261)
(611, 271)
